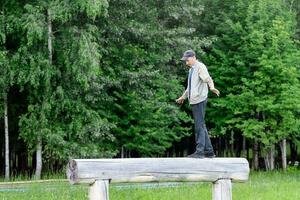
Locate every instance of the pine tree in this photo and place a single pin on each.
(261, 103)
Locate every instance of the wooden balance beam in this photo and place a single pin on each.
(100, 172)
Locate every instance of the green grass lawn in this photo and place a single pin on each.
(261, 186)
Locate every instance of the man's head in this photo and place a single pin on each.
(189, 57)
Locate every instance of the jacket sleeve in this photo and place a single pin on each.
(185, 94)
(205, 77)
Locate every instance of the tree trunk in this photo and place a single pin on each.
(129, 154)
(231, 143)
(293, 149)
(244, 154)
(248, 153)
(283, 153)
(220, 152)
(269, 158)
(50, 52)
(272, 157)
(39, 144)
(226, 147)
(122, 151)
(38, 168)
(6, 133)
(6, 138)
(255, 156)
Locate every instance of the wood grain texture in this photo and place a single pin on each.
(157, 170)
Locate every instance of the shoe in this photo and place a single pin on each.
(210, 155)
(196, 155)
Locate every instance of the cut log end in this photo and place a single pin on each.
(72, 172)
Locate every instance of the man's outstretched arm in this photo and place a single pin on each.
(181, 99)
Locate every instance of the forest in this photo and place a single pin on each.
(99, 79)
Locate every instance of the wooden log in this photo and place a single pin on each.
(99, 190)
(157, 170)
(222, 190)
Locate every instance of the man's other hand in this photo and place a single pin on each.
(215, 91)
(180, 100)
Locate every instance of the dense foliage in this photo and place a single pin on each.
(91, 79)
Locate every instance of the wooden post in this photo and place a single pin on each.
(99, 190)
(222, 190)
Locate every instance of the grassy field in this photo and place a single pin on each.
(261, 186)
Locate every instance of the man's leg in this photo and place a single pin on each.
(208, 149)
(198, 114)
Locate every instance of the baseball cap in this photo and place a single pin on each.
(187, 54)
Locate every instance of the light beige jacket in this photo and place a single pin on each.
(200, 81)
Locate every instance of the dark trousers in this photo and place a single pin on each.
(203, 143)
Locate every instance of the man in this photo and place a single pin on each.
(198, 82)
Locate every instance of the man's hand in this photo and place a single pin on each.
(215, 91)
(180, 100)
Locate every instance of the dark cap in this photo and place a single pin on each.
(187, 54)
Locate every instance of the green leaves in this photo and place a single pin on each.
(115, 72)
(60, 111)
(143, 110)
(34, 23)
(260, 101)
(93, 8)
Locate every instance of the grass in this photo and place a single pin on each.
(261, 186)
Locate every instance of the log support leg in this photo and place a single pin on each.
(99, 190)
(222, 190)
